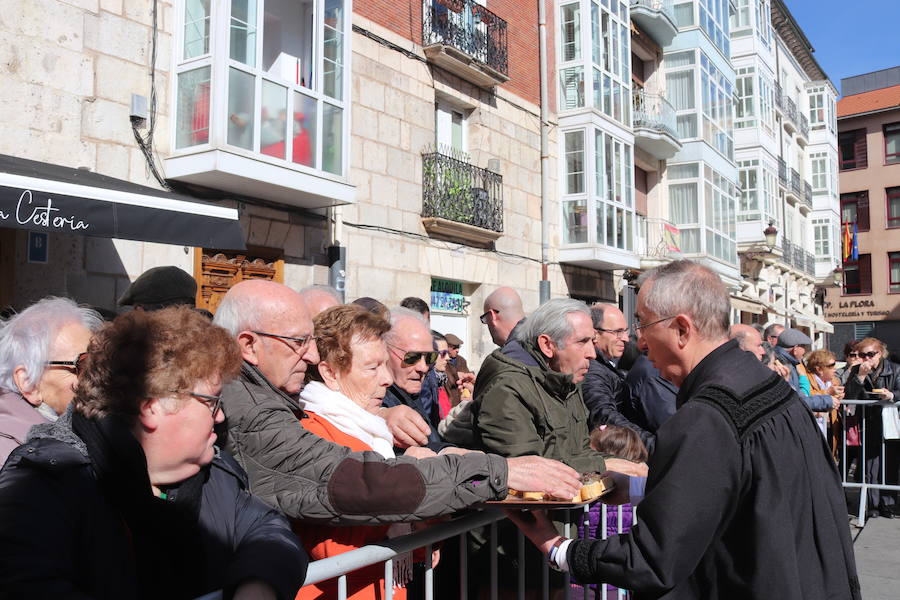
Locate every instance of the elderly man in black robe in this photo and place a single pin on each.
(743, 499)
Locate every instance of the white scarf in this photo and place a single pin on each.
(349, 417)
(354, 420)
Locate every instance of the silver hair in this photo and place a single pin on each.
(685, 287)
(399, 313)
(25, 338)
(598, 312)
(325, 289)
(551, 319)
(240, 312)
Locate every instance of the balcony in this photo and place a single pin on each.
(795, 189)
(657, 18)
(460, 201)
(782, 172)
(466, 39)
(779, 99)
(787, 251)
(658, 242)
(790, 114)
(654, 125)
(807, 195)
(810, 263)
(803, 132)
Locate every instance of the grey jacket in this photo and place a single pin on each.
(310, 478)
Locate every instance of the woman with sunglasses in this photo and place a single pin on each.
(126, 496)
(821, 365)
(877, 378)
(39, 351)
(341, 403)
(851, 359)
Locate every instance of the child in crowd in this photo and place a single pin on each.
(623, 443)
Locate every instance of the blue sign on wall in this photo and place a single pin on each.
(38, 247)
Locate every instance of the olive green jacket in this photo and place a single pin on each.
(520, 410)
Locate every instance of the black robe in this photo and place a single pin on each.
(743, 499)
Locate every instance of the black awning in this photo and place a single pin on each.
(42, 197)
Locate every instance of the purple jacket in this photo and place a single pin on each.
(16, 418)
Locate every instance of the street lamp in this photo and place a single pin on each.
(771, 234)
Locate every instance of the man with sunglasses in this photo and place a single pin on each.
(39, 351)
(605, 393)
(411, 354)
(308, 477)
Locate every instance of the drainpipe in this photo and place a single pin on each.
(544, 285)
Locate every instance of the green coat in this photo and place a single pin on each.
(520, 410)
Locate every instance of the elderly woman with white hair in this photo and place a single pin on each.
(39, 352)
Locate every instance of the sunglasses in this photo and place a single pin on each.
(830, 365)
(853, 355)
(411, 358)
(443, 353)
(74, 366)
(868, 354)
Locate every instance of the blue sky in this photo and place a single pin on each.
(850, 37)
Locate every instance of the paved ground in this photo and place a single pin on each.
(877, 547)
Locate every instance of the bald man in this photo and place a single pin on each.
(319, 297)
(502, 312)
(307, 477)
(749, 339)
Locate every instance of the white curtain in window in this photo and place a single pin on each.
(683, 207)
(680, 89)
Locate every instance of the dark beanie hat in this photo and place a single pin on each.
(160, 285)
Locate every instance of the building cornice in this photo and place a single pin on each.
(796, 41)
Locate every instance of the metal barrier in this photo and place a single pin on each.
(858, 409)
(337, 567)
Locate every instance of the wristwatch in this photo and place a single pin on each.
(553, 555)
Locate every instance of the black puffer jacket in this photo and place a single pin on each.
(61, 537)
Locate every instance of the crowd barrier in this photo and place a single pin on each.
(857, 448)
(337, 567)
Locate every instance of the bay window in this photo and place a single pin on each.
(702, 204)
(746, 98)
(265, 79)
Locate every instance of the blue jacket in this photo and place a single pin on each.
(816, 403)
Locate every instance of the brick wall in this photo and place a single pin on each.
(405, 19)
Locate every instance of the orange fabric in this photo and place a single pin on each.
(888, 97)
(322, 541)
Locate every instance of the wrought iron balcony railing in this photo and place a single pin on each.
(468, 27)
(810, 266)
(458, 191)
(654, 112)
(798, 261)
(787, 251)
(807, 194)
(658, 239)
(790, 109)
(804, 126)
(662, 6)
(796, 186)
(782, 172)
(779, 98)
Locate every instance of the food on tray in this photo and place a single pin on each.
(592, 487)
(879, 391)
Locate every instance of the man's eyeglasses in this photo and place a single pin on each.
(638, 325)
(73, 366)
(410, 357)
(211, 402)
(483, 318)
(867, 355)
(619, 333)
(297, 344)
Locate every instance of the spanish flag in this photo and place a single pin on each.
(846, 242)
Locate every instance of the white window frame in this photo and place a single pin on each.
(219, 61)
(746, 98)
(443, 127)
